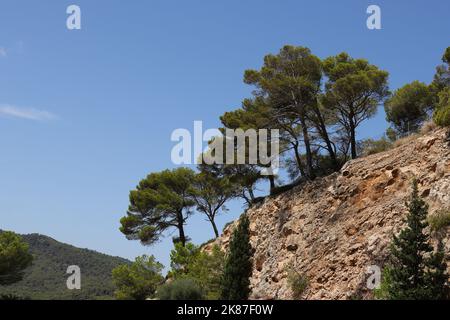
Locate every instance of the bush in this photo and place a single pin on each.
(441, 115)
(298, 284)
(182, 289)
(439, 220)
(371, 146)
(427, 127)
(139, 280)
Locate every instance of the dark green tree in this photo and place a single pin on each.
(414, 272)
(14, 257)
(408, 107)
(353, 91)
(436, 274)
(290, 81)
(161, 201)
(139, 280)
(442, 76)
(441, 90)
(210, 194)
(441, 114)
(235, 283)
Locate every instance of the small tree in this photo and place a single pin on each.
(210, 194)
(441, 114)
(182, 257)
(238, 265)
(139, 280)
(353, 91)
(414, 272)
(160, 202)
(408, 107)
(14, 257)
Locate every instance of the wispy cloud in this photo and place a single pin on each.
(3, 52)
(26, 113)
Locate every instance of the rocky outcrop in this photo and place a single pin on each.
(332, 229)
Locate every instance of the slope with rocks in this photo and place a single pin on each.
(332, 229)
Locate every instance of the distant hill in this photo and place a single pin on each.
(46, 278)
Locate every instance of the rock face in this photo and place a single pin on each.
(332, 229)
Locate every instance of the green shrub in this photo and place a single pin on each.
(371, 146)
(439, 220)
(298, 284)
(137, 281)
(441, 115)
(181, 289)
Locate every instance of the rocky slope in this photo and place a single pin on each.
(332, 229)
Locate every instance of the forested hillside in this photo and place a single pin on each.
(46, 278)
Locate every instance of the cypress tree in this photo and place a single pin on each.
(436, 276)
(238, 266)
(414, 272)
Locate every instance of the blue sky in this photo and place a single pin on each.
(85, 114)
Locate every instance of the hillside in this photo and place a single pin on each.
(46, 278)
(332, 229)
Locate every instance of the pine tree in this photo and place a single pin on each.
(238, 266)
(415, 273)
(436, 276)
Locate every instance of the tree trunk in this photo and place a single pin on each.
(272, 183)
(309, 161)
(299, 160)
(353, 138)
(181, 229)
(216, 232)
(324, 133)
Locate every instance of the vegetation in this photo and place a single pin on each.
(139, 280)
(354, 90)
(204, 268)
(210, 193)
(414, 271)
(298, 284)
(439, 220)
(46, 278)
(371, 146)
(160, 201)
(180, 289)
(238, 266)
(317, 106)
(14, 257)
(408, 107)
(442, 113)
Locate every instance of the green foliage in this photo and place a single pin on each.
(182, 257)
(441, 114)
(14, 257)
(353, 91)
(204, 269)
(414, 271)
(139, 280)
(370, 146)
(159, 202)
(408, 107)
(439, 220)
(235, 284)
(298, 284)
(180, 289)
(210, 194)
(46, 278)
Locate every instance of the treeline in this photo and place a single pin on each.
(317, 106)
(46, 277)
(194, 273)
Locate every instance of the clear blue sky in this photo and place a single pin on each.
(86, 114)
